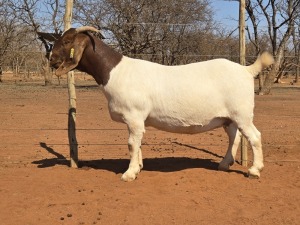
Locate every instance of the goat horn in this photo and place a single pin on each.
(87, 28)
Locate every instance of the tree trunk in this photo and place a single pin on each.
(16, 69)
(298, 63)
(278, 60)
(266, 89)
(297, 70)
(46, 72)
(1, 73)
(261, 80)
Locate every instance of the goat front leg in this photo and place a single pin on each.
(134, 146)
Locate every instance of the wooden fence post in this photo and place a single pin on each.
(242, 44)
(72, 97)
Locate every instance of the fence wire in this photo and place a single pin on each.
(166, 142)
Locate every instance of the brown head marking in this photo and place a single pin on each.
(78, 49)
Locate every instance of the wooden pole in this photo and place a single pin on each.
(242, 44)
(72, 97)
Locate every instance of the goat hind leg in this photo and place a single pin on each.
(140, 159)
(254, 137)
(234, 139)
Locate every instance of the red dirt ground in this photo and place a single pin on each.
(179, 184)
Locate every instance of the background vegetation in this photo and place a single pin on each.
(169, 32)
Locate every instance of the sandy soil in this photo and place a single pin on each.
(179, 184)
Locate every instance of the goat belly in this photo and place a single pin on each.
(176, 125)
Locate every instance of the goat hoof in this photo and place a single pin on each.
(223, 166)
(253, 173)
(128, 177)
(250, 176)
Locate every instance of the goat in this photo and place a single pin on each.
(190, 98)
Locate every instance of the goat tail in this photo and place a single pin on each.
(264, 60)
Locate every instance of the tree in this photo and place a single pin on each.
(28, 12)
(8, 31)
(279, 17)
(296, 43)
(160, 31)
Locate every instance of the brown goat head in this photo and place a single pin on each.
(68, 49)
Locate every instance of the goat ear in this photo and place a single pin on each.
(72, 60)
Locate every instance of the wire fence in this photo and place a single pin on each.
(35, 67)
(173, 144)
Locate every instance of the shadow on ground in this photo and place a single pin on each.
(166, 164)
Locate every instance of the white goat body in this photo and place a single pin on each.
(189, 98)
(185, 99)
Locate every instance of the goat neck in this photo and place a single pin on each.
(98, 60)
